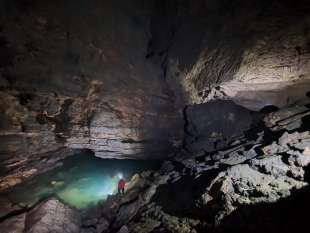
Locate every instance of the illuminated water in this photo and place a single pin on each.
(82, 181)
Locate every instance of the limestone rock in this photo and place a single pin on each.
(119, 210)
(49, 216)
(242, 185)
(212, 126)
(15, 224)
(256, 56)
(52, 216)
(123, 229)
(8, 207)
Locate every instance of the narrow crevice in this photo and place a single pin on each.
(185, 128)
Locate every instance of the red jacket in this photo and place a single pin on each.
(121, 184)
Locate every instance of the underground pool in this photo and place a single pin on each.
(82, 181)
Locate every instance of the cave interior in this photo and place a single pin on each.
(202, 108)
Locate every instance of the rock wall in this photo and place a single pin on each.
(212, 126)
(74, 75)
(114, 77)
(77, 72)
(254, 52)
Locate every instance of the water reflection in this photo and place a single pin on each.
(82, 181)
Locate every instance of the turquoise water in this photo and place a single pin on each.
(82, 181)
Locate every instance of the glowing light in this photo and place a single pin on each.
(120, 175)
(89, 191)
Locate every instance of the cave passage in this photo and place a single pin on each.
(82, 181)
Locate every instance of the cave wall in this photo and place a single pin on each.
(253, 52)
(149, 79)
(73, 74)
(114, 77)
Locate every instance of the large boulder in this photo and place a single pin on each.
(212, 126)
(49, 216)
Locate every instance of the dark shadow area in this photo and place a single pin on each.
(305, 126)
(269, 136)
(285, 216)
(179, 198)
(269, 109)
(211, 126)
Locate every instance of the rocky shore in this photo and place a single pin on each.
(202, 193)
